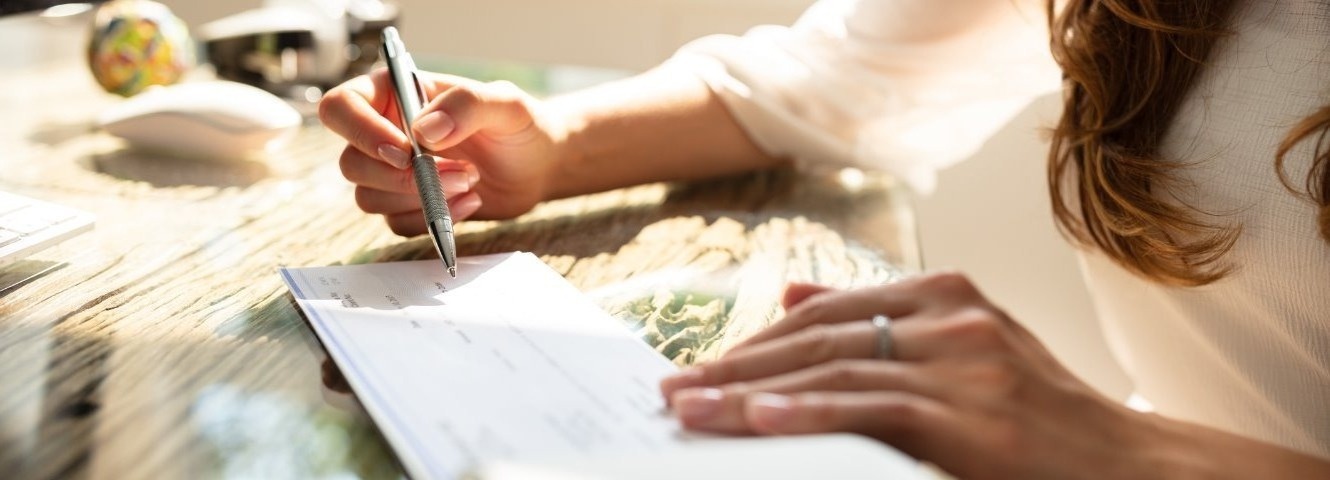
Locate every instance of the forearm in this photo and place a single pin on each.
(662, 125)
(1191, 451)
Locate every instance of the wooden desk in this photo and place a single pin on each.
(166, 345)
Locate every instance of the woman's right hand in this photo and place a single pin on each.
(496, 147)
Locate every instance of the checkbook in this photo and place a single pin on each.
(508, 371)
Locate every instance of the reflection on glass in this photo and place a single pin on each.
(264, 435)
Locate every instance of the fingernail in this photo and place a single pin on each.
(698, 405)
(466, 205)
(434, 126)
(393, 155)
(473, 176)
(691, 377)
(454, 182)
(770, 410)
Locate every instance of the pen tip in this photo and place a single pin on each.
(452, 271)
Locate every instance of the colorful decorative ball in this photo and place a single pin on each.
(136, 44)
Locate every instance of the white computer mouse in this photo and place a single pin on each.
(205, 120)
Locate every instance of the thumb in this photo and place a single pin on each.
(461, 111)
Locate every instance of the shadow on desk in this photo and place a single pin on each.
(695, 267)
(163, 171)
(607, 223)
(24, 271)
(55, 133)
(155, 168)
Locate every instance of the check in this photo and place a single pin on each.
(507, 361)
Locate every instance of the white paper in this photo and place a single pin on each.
(507, 361)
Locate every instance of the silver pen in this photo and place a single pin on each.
(410, 99)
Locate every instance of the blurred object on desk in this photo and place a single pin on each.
(51, 8)
(298, 48)
(215, 120)
(28, 225)
(40, 31)
(136, 44)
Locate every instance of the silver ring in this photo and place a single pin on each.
(884, 341)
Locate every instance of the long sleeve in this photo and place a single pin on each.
(907, 86)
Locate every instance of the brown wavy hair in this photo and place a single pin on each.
(1126, 67)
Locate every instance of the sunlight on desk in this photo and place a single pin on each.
(167, 346)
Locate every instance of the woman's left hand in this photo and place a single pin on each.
(965, 387)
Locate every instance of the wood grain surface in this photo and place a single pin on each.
(164, 345)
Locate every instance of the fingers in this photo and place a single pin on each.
(332, 377)
(914, 423)
(910, 422)
(410, 224)
(917, 338)
(455, 176)
(798, 292)
(407, 224)
(940, 291)
(402, 211)
(386, 203)
(358, 111)
(958, 361)
(811, 346)
(364, 112)
(836, 306)
(723, 409)
(914, 340)
(460, 112)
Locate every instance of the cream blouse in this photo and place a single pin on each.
(912, 86)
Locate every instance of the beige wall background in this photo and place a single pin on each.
(632, 34)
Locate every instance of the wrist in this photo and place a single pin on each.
(1130, 443)
(1134, 445)
(1159, 450)
(565, 124)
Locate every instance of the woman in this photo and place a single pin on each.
(1188, 165)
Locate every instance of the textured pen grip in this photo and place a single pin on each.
(431, 193)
